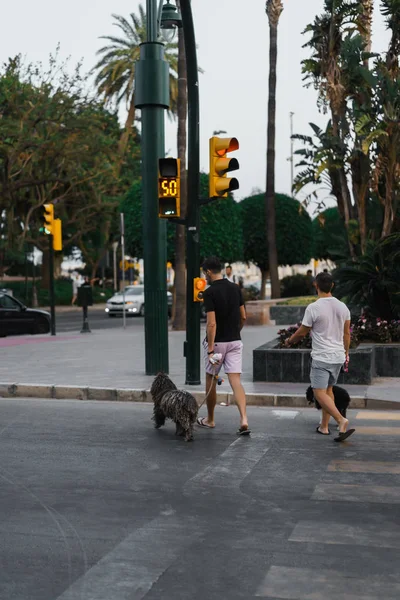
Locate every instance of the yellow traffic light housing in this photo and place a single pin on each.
(220, 165)
(48, 217)
(57, 235)
(199, 285)
(169, 188)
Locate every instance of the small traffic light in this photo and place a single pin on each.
(57, 235)
(199, 285)
(48, 218)
(169, 188)
(220, 165)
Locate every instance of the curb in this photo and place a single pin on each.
(72, 392)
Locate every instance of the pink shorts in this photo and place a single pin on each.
(232, 355)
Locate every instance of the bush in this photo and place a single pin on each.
(363, 330)
(296, 285)
(62, 292)
(250, 293)
(370, 329)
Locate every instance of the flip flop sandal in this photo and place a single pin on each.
(321, 432)
(343, 436)
(200, 422)
(244, 430)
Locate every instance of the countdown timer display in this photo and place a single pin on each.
(168, 188)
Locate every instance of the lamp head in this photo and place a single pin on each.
(171, 20)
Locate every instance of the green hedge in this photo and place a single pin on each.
(62, 290)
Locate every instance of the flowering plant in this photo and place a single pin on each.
(364, 329)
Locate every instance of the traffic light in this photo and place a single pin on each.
(220, 165)
(199, 285)
(169, 188)
(48, 218)
(57, 235)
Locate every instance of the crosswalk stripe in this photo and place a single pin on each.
(375, 535)
(378, 416)
(361, 430)
(360, 466)
(231, 467)
(332, 492)
(293, 583)
(129, 571)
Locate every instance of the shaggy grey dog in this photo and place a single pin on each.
(171, 403)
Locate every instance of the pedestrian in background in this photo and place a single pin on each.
(229, 274)
(329, 321)
(75, 286)
(226, 315)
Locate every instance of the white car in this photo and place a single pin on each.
(134, 302)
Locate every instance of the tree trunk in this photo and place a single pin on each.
(388, 215)
(179, 312)
(270, 194)
(123, 142)
(344, 186)
(264, 277)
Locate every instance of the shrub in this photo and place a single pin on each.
(296, 285)
(372, 329)
(364, 329)
(250, 293)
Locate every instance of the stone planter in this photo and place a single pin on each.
(258, 312)
(271, 363)
(387, 360)
(287, 315)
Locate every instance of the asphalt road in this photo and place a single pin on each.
(71, 321)
(95, 504)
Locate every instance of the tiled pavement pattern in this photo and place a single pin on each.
(355, 485)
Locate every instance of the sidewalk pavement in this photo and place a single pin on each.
(110, 364)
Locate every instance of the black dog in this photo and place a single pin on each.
(342, 399)
(170, 403)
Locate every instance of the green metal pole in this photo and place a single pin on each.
(192, 345)
(152, 97)
(51, 285)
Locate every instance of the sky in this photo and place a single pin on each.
(233, 46)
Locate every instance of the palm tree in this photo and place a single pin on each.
(274, 10)
(115, 79)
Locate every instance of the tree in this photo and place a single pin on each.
(57, 146)
(330, 236)
(179, 316)
(220, 227)
(115, 79)
(372, 281)
(274, 10)
(360, 150)
(294, 233)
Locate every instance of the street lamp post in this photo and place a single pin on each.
(152, 97)
(192, 344)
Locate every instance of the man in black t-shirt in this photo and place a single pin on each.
(226, 315)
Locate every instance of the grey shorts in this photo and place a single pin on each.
(324, 375)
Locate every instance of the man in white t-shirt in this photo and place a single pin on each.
(329, 322)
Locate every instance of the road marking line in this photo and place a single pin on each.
(285, 414)
(374, 535)
(292, 583)
(357, 493)
(377, 430)
(130, 570)
(378, 416)
(359, 466)
(231, 467)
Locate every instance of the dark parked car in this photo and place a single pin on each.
(17, 319)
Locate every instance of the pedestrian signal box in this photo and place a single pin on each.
(169, 188)
(199, 285)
